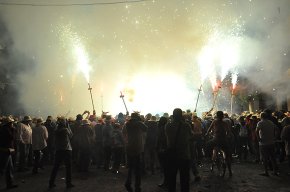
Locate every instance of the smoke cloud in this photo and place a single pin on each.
(149, 50)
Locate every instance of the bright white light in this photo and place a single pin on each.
(82, 60)
(213, 81)
(156, 93)
(234, 79)
(206, 62)
(229, 55)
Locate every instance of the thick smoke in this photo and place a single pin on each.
(12, 65)
(266, 56)
(153, 44)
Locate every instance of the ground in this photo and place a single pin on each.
(245, 178)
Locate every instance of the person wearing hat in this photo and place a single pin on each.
(63, 153)
(24, 139)
(39, 138)
(7, 139)
(86, 140)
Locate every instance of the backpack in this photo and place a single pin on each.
(243, 131)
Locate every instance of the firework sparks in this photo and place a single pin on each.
(213, 81)
(71, 39)
(221, 53)
(82, 60)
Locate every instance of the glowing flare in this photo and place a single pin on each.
(234, 80)
(213, 81)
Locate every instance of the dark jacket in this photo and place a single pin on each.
(7, 136)
(133, 131)
(107, 130)
(62, 138)
(152, 134)
(180, 141)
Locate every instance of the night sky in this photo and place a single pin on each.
(156, 52)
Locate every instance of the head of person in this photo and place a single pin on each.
(39, 121)
(254, 117)
(79, 117)
(8, 121)
(27, 119)
(108, 119)
(135, 116)
(120, 116)
(153, 118)
(177, 114)
(194, 116)
(49, 118)
(85, 122)
(93, 118)
(166, 115)
(61, 121)
(148, 116)
(162, 121)
(242, 120)
(220, 115)
(226, 115)
(268, 113)
(264, 115)
(117, 126)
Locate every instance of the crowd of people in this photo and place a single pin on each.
(180, 142)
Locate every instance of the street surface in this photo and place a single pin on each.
(246, 178)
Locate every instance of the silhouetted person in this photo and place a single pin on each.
(161, 149)
(107, 131)
(179, 135)
(39, 137)
(49, 151)
(24, 138)
(86, 141)
(220, 129)
(266, 135)
(7, 139)
(63, 152)
(133, 131)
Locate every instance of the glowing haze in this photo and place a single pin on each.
(157, 52)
